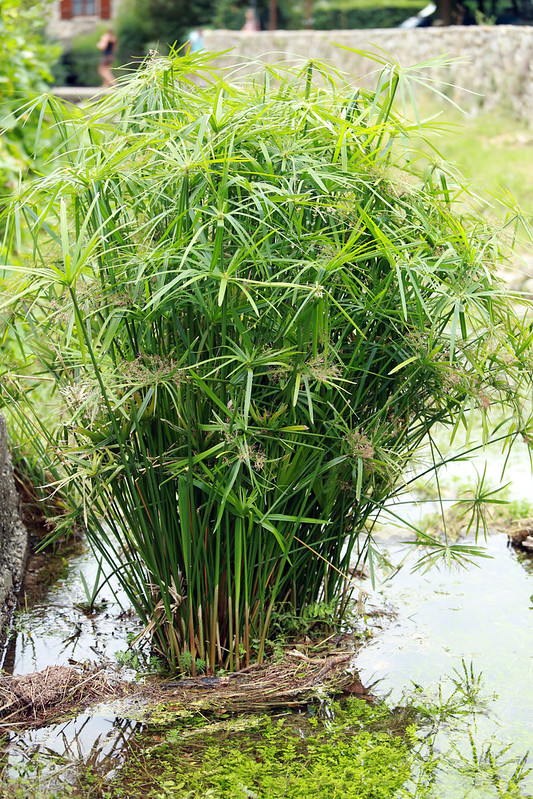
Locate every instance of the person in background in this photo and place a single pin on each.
(108, 46)
(250, 21)
(196, 41)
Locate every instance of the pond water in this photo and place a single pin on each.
(444, 620)
(482, 616)
(56, 630)
(98, 739)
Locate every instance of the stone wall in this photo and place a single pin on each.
(13, 535)
(493, 65)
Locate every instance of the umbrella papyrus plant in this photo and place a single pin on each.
(255, 311)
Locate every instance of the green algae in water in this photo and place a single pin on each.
(348, 754)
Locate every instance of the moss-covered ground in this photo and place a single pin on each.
(351, 749)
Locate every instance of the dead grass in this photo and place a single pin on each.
(294, 681)
(38, 699)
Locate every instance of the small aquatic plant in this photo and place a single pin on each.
(450, 756)
(255, 310)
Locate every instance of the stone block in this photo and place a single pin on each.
(13, 534)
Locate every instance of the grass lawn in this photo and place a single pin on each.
(492, 150)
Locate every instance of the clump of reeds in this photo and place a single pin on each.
(255, 311)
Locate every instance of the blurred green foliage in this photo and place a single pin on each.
(326, 14)
(490, 12)
(25, 70)
(79, 63)
(142, 25)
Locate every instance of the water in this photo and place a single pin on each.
(55, 630)
(89, 738)
(49, 757)
(482, 616)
